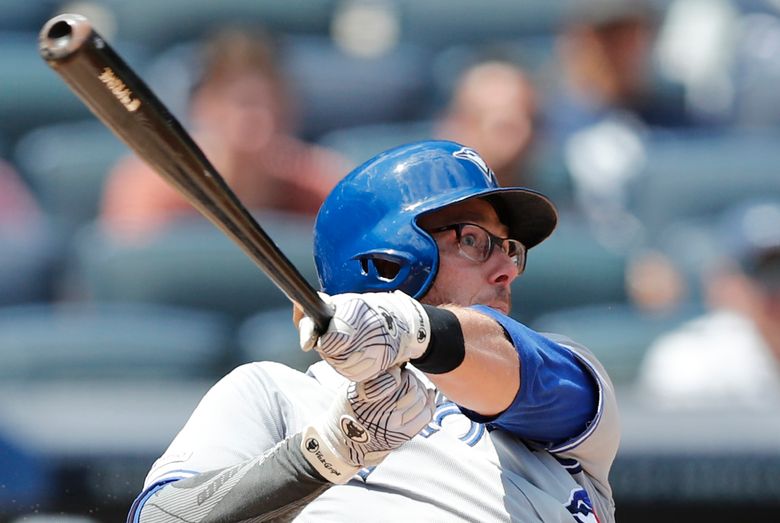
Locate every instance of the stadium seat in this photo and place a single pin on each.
(90, 394)
(72, 341)
(271, 336)
(29, 265)
(570, 268)
(189, 264)
(617, 334)
(336, 90)
(66, 165)
(23, 15)
(444, 22)
(698, 175)
(5, 146)
(32, 95)
(164, 23)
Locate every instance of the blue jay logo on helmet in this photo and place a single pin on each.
(366, 236)
(467, 153)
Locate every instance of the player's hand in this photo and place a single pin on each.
(369, 333)
(366, 422)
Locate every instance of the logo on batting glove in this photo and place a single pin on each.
(354, 430)
(312, 445)
(390, 322)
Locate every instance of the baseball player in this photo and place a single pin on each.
(431, 403)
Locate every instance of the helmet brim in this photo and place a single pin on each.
(530, 216)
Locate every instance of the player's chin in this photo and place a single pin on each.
(502, 301)
(501, 305)
(503, 308)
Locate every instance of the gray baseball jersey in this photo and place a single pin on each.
(454, 470)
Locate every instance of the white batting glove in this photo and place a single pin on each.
(369, 333)
(366, 422)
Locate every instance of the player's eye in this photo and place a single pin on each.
(475, 242)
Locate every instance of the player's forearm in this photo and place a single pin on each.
(278, 483)
(489, 377)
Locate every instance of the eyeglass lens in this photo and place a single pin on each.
(477, 244)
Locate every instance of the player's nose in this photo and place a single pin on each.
(503, 269)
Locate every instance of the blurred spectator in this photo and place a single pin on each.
(242, 118)
(605, 51)
(654, 283)
(731, 67)
(602, 100)
(493, 110)
(18, 209)
(489, 104)
(731, 353)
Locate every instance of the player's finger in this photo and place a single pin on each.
(307, 333)
(419, 413)
(297, 314)
(355, 368)
(378, 387)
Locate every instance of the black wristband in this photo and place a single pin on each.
(447, 348)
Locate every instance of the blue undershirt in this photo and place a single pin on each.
(558, 396)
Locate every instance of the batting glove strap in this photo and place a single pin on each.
(369, 333)
(329, 463)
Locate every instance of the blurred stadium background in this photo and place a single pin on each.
(105, 348)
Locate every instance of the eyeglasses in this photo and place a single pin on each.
(477, 244)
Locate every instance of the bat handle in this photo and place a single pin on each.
(314, 307)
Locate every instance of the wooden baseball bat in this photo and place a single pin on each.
(115, 93)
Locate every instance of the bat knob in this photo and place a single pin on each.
(63, 35)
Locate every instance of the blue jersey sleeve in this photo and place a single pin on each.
(558, 397)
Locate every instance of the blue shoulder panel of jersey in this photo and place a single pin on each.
(558, 396)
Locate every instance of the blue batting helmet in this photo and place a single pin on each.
(371, 215)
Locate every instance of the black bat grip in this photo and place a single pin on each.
(124, 103)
